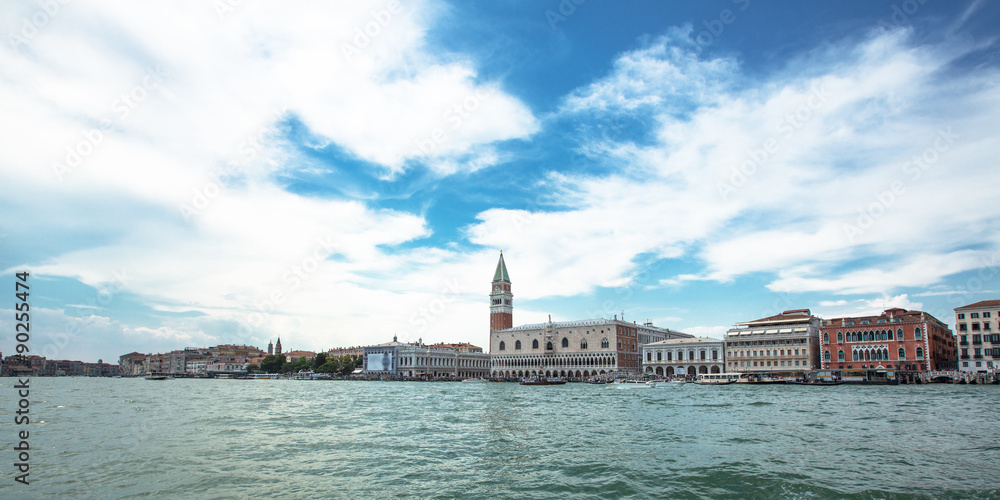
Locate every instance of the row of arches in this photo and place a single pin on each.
(605, 344)
(871, 336)
(872, 354)
(549, 373)
(669, 371)
(531, 361)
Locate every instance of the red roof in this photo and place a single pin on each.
(982, 303)
(796, 314)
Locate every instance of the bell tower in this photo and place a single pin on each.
(501, 300)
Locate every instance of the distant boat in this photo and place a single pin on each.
(634, 384)
(716, 379)
(474, 380)
(818, 382)
(542, 381)
(158, 376)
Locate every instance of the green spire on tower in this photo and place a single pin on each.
(501, 274)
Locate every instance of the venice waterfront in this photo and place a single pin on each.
(125, 438)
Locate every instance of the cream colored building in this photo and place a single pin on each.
(684, 357)
(418, 360)
(785, 342)
(978, 327)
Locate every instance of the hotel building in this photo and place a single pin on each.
(683, 357)
(574, 349)
(785, 342)
(897, 339)
(978, 327)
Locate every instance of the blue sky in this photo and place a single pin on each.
(337, 173)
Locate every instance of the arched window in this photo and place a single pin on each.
(604, 343)
(899, 334)
(583, 344)
(548, 346)
(565, 342)
(885, 354)
(517, 345)
(826, 356)
(502, 346)
(534, 344)
(840, 337)
(920, 352)
(840, 356)
(916, 333)
(902, 353)
(826, 338)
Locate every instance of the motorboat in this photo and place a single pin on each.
(634, 384)
(543, 381)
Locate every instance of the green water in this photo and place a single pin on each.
(132, 438)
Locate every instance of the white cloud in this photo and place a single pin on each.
(810, 178)
(866, 307)
(171, 114)
(714, 332)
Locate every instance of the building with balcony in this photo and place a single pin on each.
(897, 339)
(785, 342)
(978, 331)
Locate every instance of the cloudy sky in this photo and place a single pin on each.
(193, 173)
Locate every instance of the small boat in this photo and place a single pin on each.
(717, 379)
(158, 376)
(756, 378)
(817, 382)
(543, 381)
(474, 380)
(634, 384)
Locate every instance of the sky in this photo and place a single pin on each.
(194, 173)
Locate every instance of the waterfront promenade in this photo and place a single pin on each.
(126, 438)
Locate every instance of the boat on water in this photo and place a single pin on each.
(158, 376)
(473, 380)
(717, 378)
(543, 381)
(635, 384)
(759, 379)
(817, 382)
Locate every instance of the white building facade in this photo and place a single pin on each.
(418, 360)
(785, 342)
(978, 327)
(685, 357)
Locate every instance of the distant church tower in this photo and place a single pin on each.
(501, 300)
(277, 347)
(270, 347)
